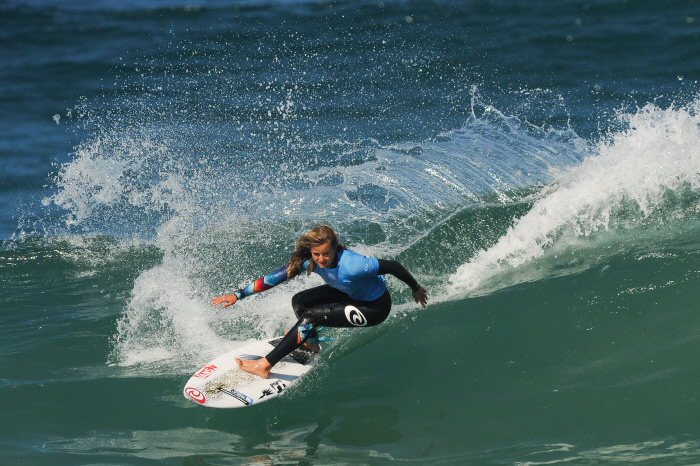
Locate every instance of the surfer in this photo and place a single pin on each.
(355, 293)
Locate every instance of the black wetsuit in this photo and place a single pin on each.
(328, 306)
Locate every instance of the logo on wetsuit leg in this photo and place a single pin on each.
(355, 317)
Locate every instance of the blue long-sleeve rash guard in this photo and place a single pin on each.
(355, 275)
(359, 276)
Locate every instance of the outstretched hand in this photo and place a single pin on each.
(421, 296)
(227, 300)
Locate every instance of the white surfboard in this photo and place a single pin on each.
(222, 384)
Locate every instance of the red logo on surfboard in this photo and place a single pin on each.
(205, 372)
(196, 395)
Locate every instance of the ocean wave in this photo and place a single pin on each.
(642, 177)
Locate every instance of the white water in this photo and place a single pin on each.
(657, 153)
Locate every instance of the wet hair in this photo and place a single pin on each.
(316, 237)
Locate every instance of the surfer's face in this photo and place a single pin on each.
(323, 255)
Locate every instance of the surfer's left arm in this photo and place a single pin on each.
(258, 286)
(399, 271)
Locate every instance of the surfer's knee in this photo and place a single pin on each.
(310, 316)
(306, 318)
(297, 305)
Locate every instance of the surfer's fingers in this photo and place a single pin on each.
(421, 297)
(229, 298)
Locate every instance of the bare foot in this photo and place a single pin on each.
(261, 367)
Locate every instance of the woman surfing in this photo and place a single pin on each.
(355, 293)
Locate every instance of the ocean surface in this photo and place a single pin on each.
(535, 164)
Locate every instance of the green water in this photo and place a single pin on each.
(587, 366)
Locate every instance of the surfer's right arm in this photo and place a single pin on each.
(258, 286)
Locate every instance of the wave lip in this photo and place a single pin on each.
(624, 184)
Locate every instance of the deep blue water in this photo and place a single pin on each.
(535, 165)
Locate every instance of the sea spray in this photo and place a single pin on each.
(634, 169)
(380, 207)
(224, 186)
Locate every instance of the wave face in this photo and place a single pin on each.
(638, 187)
(536, 170)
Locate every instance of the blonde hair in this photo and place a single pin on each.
(302, 251)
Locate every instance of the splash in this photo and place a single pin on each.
(224, 200)
(625, 184)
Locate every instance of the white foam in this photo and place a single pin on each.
(163, 317)
(659, 150)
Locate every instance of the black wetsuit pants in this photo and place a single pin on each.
(326, 306)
